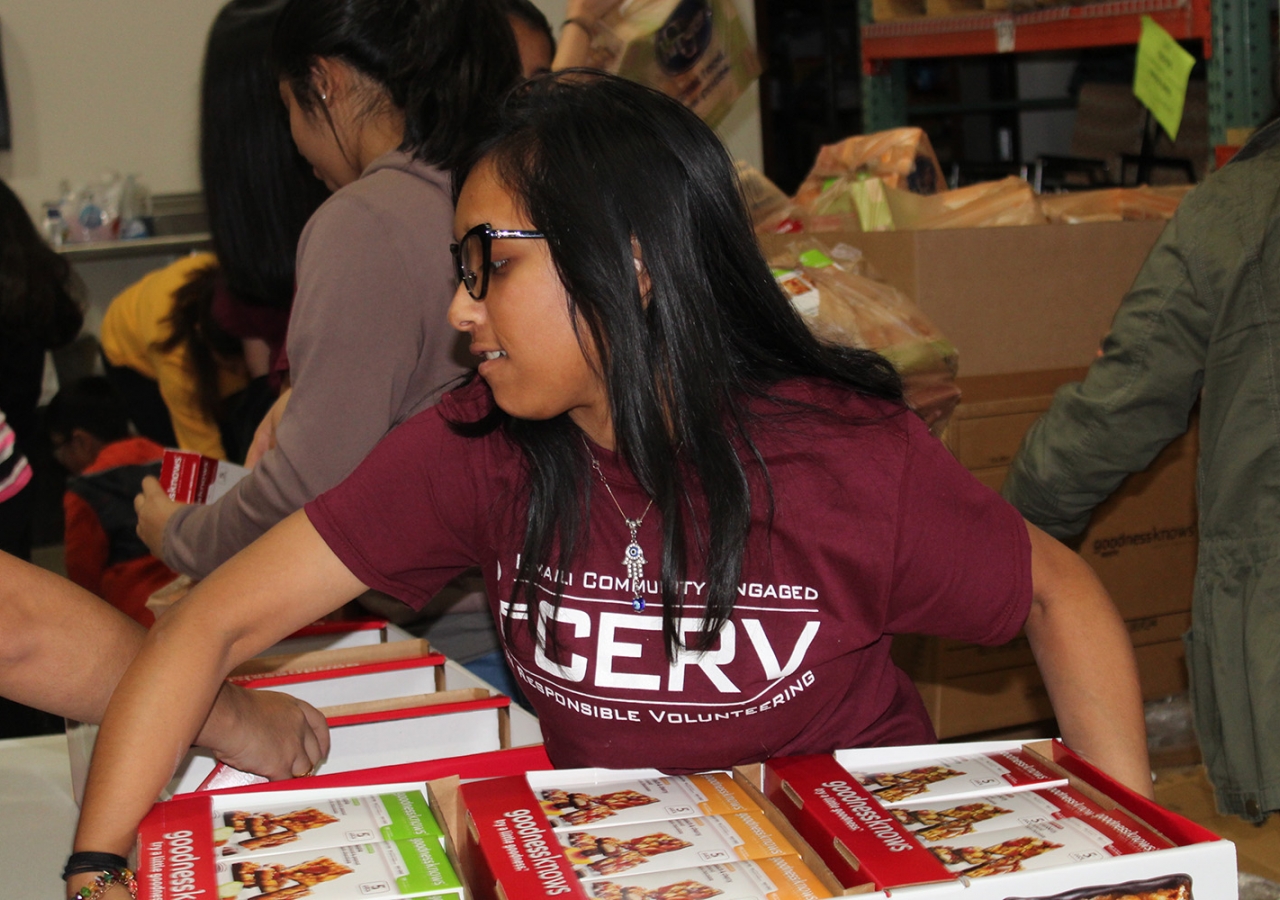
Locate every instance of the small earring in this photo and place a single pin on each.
(324, 98)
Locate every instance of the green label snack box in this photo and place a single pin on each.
(288, 843)
(413, 868)
(250, 829)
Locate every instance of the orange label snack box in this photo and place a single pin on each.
(509, 848)
(781, 878)
(568, 805)
(602, 852)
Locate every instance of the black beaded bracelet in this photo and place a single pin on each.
(88, 861)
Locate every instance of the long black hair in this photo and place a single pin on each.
(602, 165)
(444, 63)
(258, 190)
(38, 305)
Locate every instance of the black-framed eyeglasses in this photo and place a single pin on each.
(472, 255)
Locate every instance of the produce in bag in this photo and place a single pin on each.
(1113, 204)
(856, 310)
(696, 51)
(901, 157)
(1009, 201)
(853, 202)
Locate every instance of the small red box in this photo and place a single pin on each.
(188, 477)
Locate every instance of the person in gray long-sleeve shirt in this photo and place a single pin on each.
(368, 347)
(382, 119)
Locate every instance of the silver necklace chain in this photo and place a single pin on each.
(633, 556)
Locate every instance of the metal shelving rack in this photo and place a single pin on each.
(1235, 36)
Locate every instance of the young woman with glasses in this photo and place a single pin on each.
(699, 526)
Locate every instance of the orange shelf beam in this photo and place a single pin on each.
(1054, 28)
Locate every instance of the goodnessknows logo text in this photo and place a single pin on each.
(1110, 546)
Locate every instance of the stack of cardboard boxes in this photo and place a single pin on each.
(1027, 308)
(1141, 542)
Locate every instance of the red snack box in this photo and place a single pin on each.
(1104, 836)
(861, 842)
(189, 477)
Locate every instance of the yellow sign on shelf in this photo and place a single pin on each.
(1161, 74)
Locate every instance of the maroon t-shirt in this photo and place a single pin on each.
(877, 530)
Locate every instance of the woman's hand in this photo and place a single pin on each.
(581, 16)
(154, 509)
(266, 732)
(264, 437)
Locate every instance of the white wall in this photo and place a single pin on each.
(99, 85)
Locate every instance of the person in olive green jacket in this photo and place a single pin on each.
(1202, 321)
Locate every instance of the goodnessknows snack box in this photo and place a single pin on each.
(372, 833)
(993, 820)
(988, 821)
(334, 843)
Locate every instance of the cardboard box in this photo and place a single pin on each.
(332, 635)
(1143, 540)
(353, 675)
(381, 733)
(373, 734)
(1010, 299)
(869, 848)
(971, 704)
(933, 659)
(321, 677)
(1142, 543)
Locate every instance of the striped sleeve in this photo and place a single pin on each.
(15, 473)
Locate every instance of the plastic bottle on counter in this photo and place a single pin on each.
(54, 226)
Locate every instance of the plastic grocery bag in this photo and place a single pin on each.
(771, 211)
(854, 309)
(854, 202)
(1010, 201)
(901, 157)
(697, 51)
(1113, 204)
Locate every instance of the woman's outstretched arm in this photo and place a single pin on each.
(1086, 658)
(283, 581)
(63, 650)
